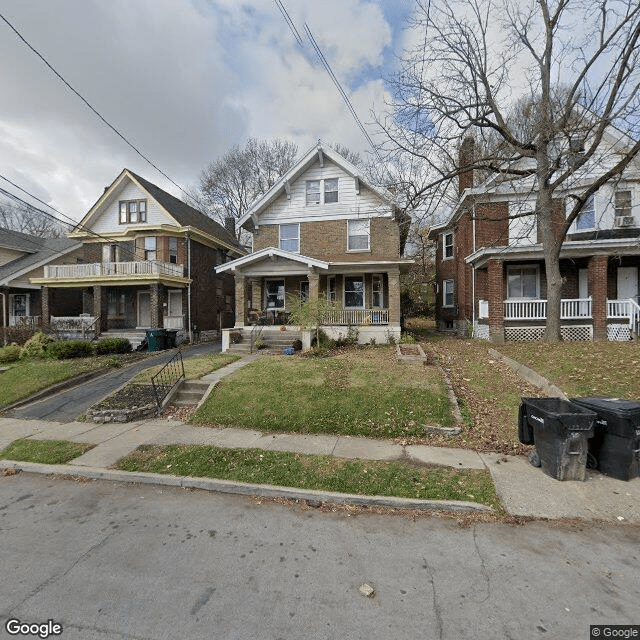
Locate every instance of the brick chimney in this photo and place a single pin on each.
(465, 159)
(230, 225)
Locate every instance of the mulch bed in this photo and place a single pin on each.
(133, 395)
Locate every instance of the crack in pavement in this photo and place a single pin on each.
(483, 566)
(436, 607)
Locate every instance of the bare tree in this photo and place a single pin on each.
(26, 220)
(575, 127)
(229, 185)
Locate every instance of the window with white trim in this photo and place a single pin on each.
(150, 248)
(19, 304)
(358, 232)
(447, 293)
(354, 292)
(523, 281)
(173, 250)
(377, 295)
(587, 217)
(274, 294)
(331, 288)
(109, 253)
(447, 246)
(313, 191)
(623, 203)
(132, 211)
(290, 237)
(331, 190)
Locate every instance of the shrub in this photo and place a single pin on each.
(297, 345)
(235, 337)
(10, 353)
(112, 345)
(407, 338)
(37, 346)
(259, 343)
(66, 349)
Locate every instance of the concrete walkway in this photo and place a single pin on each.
(523, 489)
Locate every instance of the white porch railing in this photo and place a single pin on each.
(82, 324)
(24, 322)
(106, 269)
(357, 316)
(625, 310)
(173, 322)
(570, 309)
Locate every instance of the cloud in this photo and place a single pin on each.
(183, 80)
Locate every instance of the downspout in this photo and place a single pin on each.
(188, 237)
(4, 318)
(473, 267)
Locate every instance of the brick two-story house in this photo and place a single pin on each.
(323, 229)
(490, 267)
(148, 261)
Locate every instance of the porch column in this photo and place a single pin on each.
(155, 301)
(240, 299)
(100, 305)
(45, 310)
(394, 296)
(256, 293)
(314, 285)
(495, 277)
(598, 290)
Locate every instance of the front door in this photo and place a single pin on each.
(144, 309)
(628, 283)
(583, 291)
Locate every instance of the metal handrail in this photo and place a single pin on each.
(167, 378)
(256, 329)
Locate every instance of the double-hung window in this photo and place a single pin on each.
(313, 191)
(447, 246)
(290, 237)
(132, 211)
(354, 292)
(274, 294)
(150, 248)
(331, 190)
(173, 250)
(358, 235)
(623, 203)
(447, 293)
(522, 282)
(587, 217)
(322, 191)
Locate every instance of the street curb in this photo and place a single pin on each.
(242, 488)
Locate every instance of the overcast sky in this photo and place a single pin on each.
(183, 80)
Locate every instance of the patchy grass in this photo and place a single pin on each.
(325, 473)
(44, 451)
(584, 368)
(194, 367)
(26, 377)
(357, 392)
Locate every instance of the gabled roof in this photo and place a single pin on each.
(183, 214)
(38, 251)
(271, 252)
(315, 153)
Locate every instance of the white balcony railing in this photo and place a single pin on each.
(108, 269)
(570, 309)
(24, 322)
(357, 316)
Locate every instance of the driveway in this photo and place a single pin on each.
(67, 405)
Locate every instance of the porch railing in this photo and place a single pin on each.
(625, 310)
(107, 269)
(167, 378)
(24, 322)
(357, 316)
(84, 325)
(173, 322)
(570, 309)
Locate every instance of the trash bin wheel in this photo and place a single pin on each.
(534, 458)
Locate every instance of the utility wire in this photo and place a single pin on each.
(289, 21)
(94, 110)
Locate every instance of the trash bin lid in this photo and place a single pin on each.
(617, 416)
(628, 408)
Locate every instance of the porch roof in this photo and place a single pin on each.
(572, 249)
(271, 253)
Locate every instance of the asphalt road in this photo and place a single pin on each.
(111, 561)
(67, 405)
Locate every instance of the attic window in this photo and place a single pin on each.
(331, 190)
(133, 211)
(313, 191)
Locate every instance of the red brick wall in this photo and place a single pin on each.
(598, 290)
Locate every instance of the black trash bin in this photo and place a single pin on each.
(171, 336)
(560, 430)
(616, 441)
(156, 339)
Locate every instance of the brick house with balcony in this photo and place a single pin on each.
(490, 268)
(323, 230)
(147, 261)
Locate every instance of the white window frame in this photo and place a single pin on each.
(365, 221)
(446, 246)
(325, 191)
(377, 277)
(296, 239)
(448, 288)
(150, 248)
(266, 293)
(313, 201)
(12, 303)
(620, 211)
(589, 207)
(132, 211)
(360, 278)
(514, 267)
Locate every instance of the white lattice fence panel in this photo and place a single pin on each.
(581, 333)
(524, 334)
(618, 332)
(481, 331)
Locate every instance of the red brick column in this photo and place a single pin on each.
(598, 292)
(45, 313)
(495, 277)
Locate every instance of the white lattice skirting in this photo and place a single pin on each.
(618, 332)
(578, 333)
(481, 331)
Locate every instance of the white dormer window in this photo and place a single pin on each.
(133, 211)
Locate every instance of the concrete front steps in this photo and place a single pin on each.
(272, 337)
(189, 393)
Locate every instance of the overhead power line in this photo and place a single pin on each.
(95, 111)
(289, 21)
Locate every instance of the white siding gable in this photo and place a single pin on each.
(294, 207)
(107, 220)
